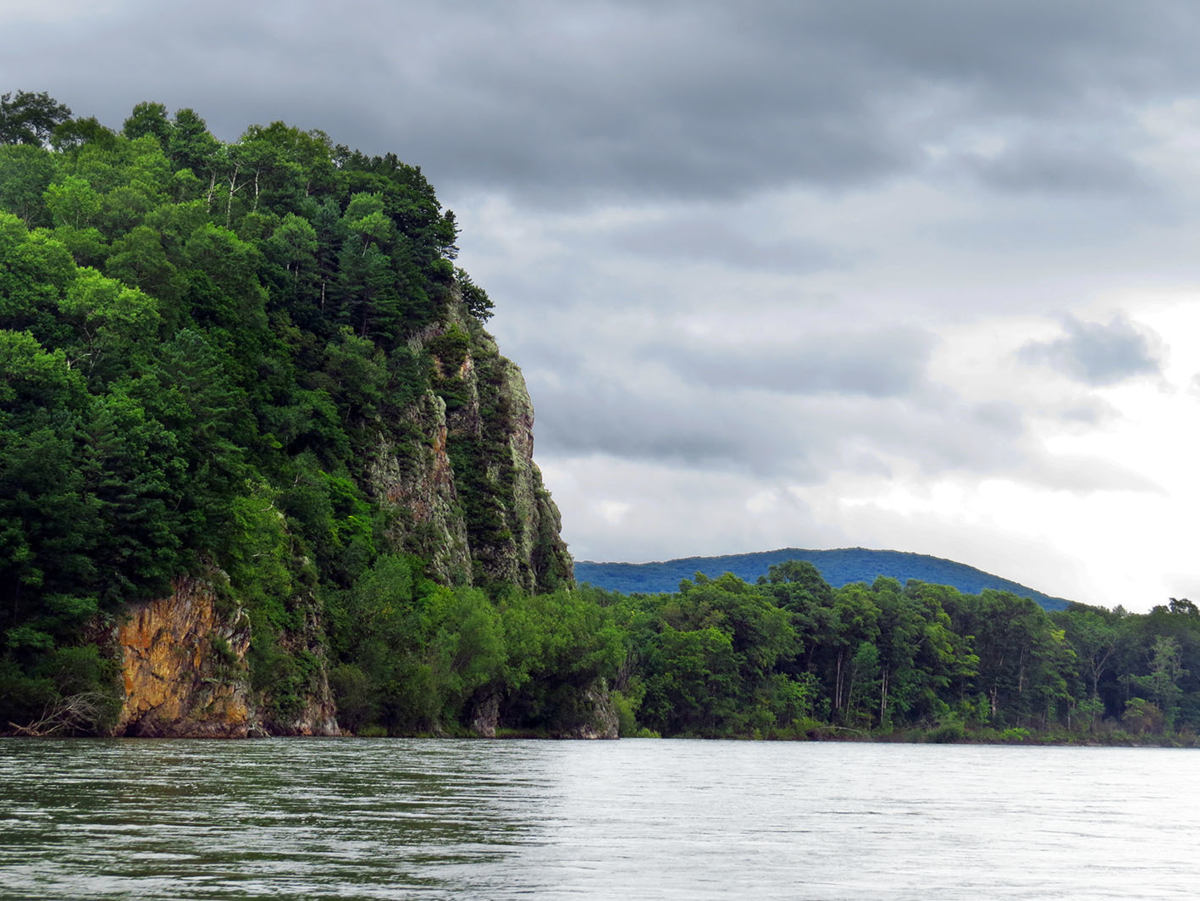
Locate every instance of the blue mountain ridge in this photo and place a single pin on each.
(838, 567)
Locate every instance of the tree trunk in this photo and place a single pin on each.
(837, 685)
(232, 190)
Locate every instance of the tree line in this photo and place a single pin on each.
(791, 656)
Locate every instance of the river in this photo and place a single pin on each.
(644, 819)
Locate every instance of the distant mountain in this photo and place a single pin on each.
(838, 567)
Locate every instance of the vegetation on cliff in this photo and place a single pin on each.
(261, 462)
(255, 363)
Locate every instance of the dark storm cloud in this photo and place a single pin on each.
(599, 416)
(808, 440)
(1098, 354)
(605, 100)
(885, 363)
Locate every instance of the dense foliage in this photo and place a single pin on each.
(790, 656)
(202, 347)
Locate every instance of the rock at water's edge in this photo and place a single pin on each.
(183, 667)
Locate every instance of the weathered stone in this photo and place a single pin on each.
(318, 713)
(184, 667)
(424, 493)
(486, 716)
(185, 675)
(184, 657)
(418, 485)
(599, 716)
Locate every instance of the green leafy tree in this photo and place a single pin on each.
(27, 172)
(149, 119)
(30, 118)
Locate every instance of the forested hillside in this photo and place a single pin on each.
(838, 567)
(263, 471)
(255, 365)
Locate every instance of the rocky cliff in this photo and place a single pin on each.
(457, 482)
(185, 674)
(183, 667)
(286, 393)
(464, 492)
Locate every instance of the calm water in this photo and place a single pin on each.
(340, 818)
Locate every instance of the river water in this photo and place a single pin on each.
(398, 818)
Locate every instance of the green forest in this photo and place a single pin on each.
(214, 354)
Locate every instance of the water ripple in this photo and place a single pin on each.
(394, 819)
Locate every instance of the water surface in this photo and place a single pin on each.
(395, 818)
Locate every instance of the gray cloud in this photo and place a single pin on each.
(598, 416)
(1083, 475)
(868, 177)
(1059, 165)
(712, 242)
(804, 437)
(1099, 354)
(807, 440)
(1089, 412)
(616, 99)
(883, 363)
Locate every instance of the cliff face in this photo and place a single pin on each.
(465, 493)
(417, 484)
(184, 672)
(460, 490)
(183, 667)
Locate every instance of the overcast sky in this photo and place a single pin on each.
(921, 275)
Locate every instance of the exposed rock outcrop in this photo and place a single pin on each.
(485, 716)
(457, 480)
(183, 667)
(464, 492)
(185, 674)
(313, 711)
(597, 715)
(417, 483)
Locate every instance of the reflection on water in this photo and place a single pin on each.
(345, 818)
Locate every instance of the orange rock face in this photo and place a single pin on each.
(184, 667)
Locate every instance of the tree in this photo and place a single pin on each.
(475, 299)
(190, 146)
(294, 246)
(1162, 683)
(855, 620)
(1095, 636)
(27, 172)
(139, 259)
(112, 321)
(73, 202)
(149, 119)
(29, 118)
(76, 132)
